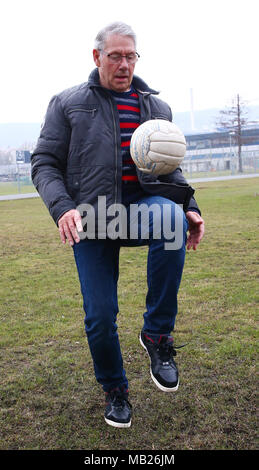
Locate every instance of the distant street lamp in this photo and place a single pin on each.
(18, 179)
(231, 151)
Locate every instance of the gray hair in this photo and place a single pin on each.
(122, 29)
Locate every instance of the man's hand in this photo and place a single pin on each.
(69, 225)
(196, 229)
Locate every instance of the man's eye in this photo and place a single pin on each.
(115, 56)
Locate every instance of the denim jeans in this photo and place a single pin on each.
(97, 262)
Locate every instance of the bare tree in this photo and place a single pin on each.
(234, 119)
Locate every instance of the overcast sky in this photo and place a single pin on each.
(205, 45)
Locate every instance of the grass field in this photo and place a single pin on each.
(14, 187)
(49, 396)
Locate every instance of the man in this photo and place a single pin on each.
(82, 154)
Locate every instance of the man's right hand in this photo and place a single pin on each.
(69, 225)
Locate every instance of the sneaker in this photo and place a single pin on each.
(118, 409)
(163, 369)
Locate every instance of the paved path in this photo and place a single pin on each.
(222, 178)
(10, 197)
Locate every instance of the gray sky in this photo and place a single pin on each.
(209, 46)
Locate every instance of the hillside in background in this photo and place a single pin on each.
(14, 135)
(205, 120)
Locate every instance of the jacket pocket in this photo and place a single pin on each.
(91, 110)
(85, 125)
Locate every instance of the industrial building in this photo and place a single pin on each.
(218, 151)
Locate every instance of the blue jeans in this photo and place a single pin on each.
(97, 262)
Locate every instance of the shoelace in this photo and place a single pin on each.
(118, 398)
(168, 351)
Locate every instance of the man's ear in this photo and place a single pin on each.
(96, 56)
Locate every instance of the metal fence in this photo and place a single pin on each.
(16, 178)
(219, 164)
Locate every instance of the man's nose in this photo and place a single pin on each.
(124, 63)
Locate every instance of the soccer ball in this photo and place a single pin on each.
(157, 147)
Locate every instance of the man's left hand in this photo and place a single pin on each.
(196, 229)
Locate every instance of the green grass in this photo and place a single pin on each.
(13, 187)
(214, 173)
(49, 396)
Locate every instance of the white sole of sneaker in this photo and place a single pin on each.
(161, 387)
(117, 425)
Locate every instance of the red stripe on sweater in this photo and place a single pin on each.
(128, 108)
(124, 125)
(129, 178)
(125, 144)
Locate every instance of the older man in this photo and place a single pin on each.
(83, 154)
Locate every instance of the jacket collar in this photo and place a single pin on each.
(137, 82)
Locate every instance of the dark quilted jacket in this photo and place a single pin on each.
(77, 156)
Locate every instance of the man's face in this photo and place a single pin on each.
(117, 77)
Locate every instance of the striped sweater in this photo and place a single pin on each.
(129, 115)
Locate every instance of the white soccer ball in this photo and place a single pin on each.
(157, 147)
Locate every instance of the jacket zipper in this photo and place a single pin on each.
(146, 114)
(116, 151)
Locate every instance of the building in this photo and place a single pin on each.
(217, 151)
(23, 156)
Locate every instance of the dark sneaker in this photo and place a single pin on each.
(118, 409)
(163, 369)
